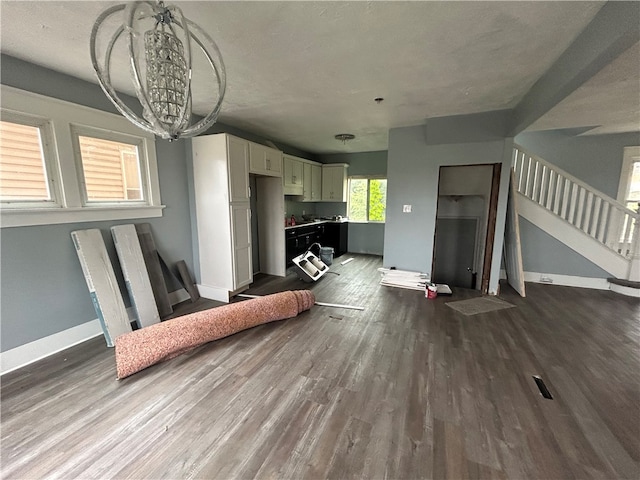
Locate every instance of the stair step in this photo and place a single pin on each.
(624, 283)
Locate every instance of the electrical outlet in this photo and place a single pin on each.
(545, 279)
(406, 209)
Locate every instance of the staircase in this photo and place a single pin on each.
(593, 224)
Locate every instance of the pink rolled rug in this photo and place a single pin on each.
(142, 348)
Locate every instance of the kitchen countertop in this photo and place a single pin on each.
(315, 222)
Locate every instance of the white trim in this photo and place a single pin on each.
(62, 117)
(49, 158)
(214, 293)
(631, 155)
(31, 352)
(567, 280)
(624, 290)
(25, 218)
(43, 347)
(139, 143)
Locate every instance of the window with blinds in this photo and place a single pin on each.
(23, 172)
(111, 170)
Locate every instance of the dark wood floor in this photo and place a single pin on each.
(407, 388)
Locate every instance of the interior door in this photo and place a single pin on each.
(491, 227)
(512, 246)
(454, 254)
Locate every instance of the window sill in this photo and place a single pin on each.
(49, 216)
(366, 222)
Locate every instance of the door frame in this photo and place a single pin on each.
(491, 228)
(491, 222)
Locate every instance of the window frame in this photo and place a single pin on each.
(630, 157)
(62, 119)
(50, 160)
(368, 178)
(78, 131)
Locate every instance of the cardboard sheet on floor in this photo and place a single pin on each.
(101, 281)
(135, 274)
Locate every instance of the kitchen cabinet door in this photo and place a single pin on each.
(312, 182)
(334, 183)
(316, 183)
(264, 160)
(238, 158)
(293, 175)
(336, 235)
(307, 182)
(241, 241)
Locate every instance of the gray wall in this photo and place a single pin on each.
(43, 289)
(414, 160)
(542, 253)
(594, 159)
(42, 286)
(363, 237)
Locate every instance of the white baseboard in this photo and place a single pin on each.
(623, 290)
(214, 293)
(43, 347)
(31, 352)
(567, 280)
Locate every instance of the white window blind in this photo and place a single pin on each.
(23, 174)
(111, 170)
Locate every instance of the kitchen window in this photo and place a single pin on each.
(66, 163)
(367, 200)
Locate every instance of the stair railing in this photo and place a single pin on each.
(594, 213)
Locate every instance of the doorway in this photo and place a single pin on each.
(465, 225)
(455, 246)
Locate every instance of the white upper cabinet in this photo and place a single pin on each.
(307, 181)
(238, 157)
(293, 175)
(265, 160)
(334, 182)
(316, 183)
(311, 181)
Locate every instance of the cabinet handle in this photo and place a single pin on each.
(268, 164)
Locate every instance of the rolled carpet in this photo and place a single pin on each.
(156, 343)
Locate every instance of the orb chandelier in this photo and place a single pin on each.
(159, 41)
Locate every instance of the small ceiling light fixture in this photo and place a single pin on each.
(378, 100)
(343, 137)
(158, 38)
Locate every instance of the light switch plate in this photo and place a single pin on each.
(406, 209)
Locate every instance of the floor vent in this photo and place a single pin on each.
(544, 391)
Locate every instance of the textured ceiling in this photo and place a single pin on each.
(609, 101)
(300, 72)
